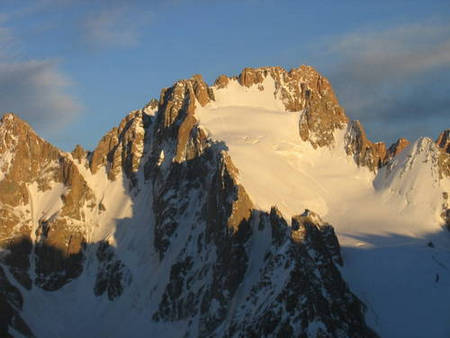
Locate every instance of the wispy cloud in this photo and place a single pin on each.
(37, 91)
(6, 43)
(111, 27)
(394, 78)
(34, 88)
(28, 8)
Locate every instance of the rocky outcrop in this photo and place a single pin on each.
(221, 81)
(310, 229)
(29, 156)
(101, 155)
(322, 114)
(112, 275)
(79, 153)
(364, 152)
(298, 285)
(445, 215)
(78, 193)
(58, 253)
(18, 247)
(11, 303)
(396, 148)
(175, 120)
(121, 149)
(33, 160)
(151, 106)
(443, 143)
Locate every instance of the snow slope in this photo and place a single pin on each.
(384, 221)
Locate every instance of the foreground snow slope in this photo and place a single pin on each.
(384, 220)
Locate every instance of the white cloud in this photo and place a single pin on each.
(37, 91)
(111, 27)
(397, 53)
(394, 80)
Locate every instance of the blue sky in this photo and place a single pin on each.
(73, 69)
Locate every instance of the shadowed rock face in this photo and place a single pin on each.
(215, 257)
(11, 303)
(312, 296)
(58, 254)
(309, 229)
(112, 275)
(446, 210)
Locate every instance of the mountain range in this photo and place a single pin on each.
(250, 208)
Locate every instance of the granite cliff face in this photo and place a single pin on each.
(156, 220)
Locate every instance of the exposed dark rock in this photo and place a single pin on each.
(79, 153)
(58, 254)
(11, 303)
(112, 275)
(364, 152)
(446, 210)
(396, 148)
(443, 141)
(299, 291)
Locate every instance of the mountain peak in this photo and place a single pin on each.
(11, 122)
(302, 90)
